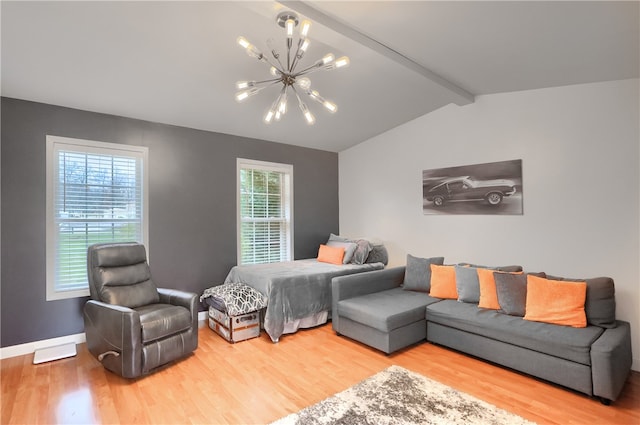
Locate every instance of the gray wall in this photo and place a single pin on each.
(192, 206)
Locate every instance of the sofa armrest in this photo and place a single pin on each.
(114, 328)
(355, 285)
(611, 360)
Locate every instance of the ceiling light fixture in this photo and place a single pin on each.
(287, 73)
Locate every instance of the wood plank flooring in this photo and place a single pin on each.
(256, 381)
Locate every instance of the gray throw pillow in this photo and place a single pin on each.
(363, 248)
(378, 254)
(417, 275)
(512, 292)
(467, 284)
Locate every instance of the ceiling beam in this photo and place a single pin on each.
(459, 95)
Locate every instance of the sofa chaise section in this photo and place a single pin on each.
(374, 309)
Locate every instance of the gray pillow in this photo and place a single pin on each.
(417, 275)
(600, 304)
(512, 292)
(467, 284)
(349, 249)
(363, 248)
(378, 254)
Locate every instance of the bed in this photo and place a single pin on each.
(299, 292)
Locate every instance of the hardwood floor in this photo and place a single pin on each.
(256, 381)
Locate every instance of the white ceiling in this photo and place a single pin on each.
(177, 62)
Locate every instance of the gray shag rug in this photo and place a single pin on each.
(399, 396)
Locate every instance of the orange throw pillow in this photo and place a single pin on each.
(488, 291)
(330, 254)
(557, 302)
(443, 282)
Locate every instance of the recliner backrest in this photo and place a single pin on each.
(119, 274)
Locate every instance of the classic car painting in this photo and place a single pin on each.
(492, 188)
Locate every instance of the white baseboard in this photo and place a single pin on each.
(31, 347)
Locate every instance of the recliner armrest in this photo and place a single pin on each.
(355, 285)
(188, 300)
(116, 328)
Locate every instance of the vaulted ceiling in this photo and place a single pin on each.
(177, 62)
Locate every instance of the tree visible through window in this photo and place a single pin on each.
(95, 193)
(265, 213)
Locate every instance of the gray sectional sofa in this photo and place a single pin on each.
(375, 309)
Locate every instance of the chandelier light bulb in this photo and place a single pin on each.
(304, 46)
(243, 42)
(339, 63)
(330, 106)
(274, 71)
(245, 84)
(309, 117)
(328, 58)
(278, 115)
(304, 28)
(342, 62)
(269, 116)
(304, 83)
(243, 95)
(289, 25)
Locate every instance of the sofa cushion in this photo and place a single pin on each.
(560, 341)
(417, 276)
(386, 310)
(162, 320)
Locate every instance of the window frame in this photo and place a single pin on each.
(53, 145)
(287, 169)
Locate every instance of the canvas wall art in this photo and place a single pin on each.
(490, 188)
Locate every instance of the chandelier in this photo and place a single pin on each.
(288, 71)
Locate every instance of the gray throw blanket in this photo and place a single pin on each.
(295, 289)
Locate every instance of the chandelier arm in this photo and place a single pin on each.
(282, 68)
(307, 71)
(297, 95)
(266, 59)
(296, 57)
(271, 81)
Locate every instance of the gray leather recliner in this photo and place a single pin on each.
(131, 326)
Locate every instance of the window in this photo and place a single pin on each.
(96, 192)
(265, 212)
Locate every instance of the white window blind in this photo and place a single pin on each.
(265, 232)
(96, 193)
